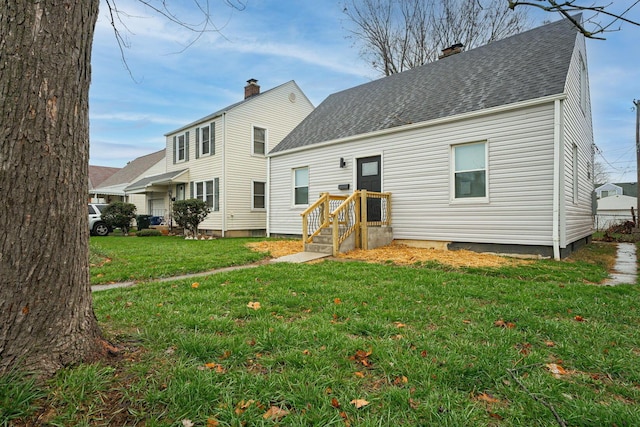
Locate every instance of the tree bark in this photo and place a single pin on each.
(46, 314)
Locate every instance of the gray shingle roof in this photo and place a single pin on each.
(161, 179)
(526, 66)
(98, 174)
(134, 169)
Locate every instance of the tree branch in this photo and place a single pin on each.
(569, 7)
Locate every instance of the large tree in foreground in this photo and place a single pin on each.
(46, 315)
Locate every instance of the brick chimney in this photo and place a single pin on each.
(252, 88)
(451, 50)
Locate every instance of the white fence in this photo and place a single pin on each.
(603, 222)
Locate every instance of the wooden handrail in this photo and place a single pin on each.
(355, 221)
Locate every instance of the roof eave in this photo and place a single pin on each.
(428, 123)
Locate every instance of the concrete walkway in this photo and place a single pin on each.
(625, 270)
(295, 258)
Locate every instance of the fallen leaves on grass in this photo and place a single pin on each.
(359, 403)
(215, 367)
(362, 357)
(502, 324)
(275, 413)
(254, 305)
(556, 369)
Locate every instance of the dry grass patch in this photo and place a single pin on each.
(406, 255)
(277, 248)
(397, 254)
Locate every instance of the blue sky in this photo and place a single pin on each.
(276, 41)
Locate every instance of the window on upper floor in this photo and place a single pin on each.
(259, 141)
(206, 140)
(259, 195)
(583, 84)
(181, 148)
(301, 186)
(469, 172)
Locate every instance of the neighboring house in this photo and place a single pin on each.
(489, 149)
(607, 190)
(221, 159)
(615, 209)
(618, 188)
(113, 188)
(98, 174)
(615, 202)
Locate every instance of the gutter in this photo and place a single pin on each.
(557, 158)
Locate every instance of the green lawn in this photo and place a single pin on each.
(421, 345)
(118, 258)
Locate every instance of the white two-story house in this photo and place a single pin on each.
(221, 159)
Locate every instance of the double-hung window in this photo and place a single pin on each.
(204, 191)
(470, 171)
(259, 141)
(301, 186)
(181, 148)
(259, 195)
(206, 140)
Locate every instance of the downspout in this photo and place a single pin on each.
(224, 174)
(557, 158)
(266, 196)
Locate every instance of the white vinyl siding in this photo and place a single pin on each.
(417, 173)
(578, 152)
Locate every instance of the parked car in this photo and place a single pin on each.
(96, 225)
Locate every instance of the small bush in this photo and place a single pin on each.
(148, 232)
(119, 215)
(189, 213)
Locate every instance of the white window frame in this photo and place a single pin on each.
(253, 140)
(202, 193)
(184, 148)
(295, 187)
(453, 171)
(202, 141)
(583, 83)
(253, 196)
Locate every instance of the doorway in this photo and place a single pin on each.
(370, 178)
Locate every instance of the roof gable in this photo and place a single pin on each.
(526, 66)
(232, 107)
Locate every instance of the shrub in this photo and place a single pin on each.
(190, 213)
(148, 232)
(119, 215)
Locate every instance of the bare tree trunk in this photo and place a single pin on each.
(46, 314)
